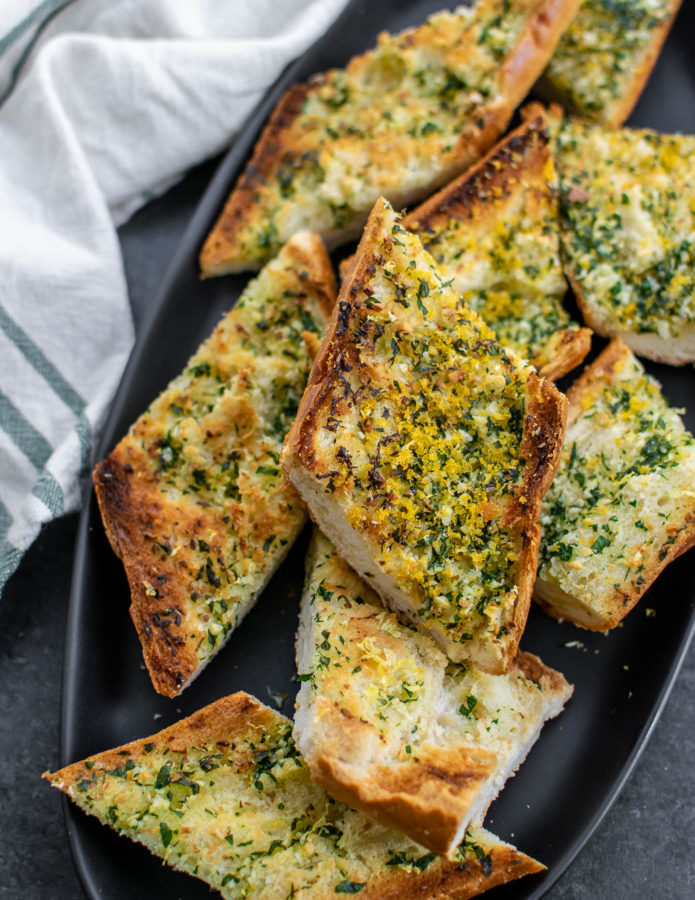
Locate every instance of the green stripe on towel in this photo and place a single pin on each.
(30, 441)
(38, 359)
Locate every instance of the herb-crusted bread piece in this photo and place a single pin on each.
(224, 796)
(628, 235)
(622, 504)
(494, 231)
(422, 448)
(604, 58)
(385, 725)
(400, 120)
(192, 498)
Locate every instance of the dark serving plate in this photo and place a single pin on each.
(621, 681)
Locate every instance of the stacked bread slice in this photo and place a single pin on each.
(385, 722)
(422, 448)
(224, 796)
(399, 121)
(493, 233)
(604, 58)
(628, 234)
(429, 445)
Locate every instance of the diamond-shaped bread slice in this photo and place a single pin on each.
(389, 727)
(192, 498)
(604, 58)
(400, 120)
(628, 235)
(622, 505)
(223, 795)
(495, 233)
(422, 448)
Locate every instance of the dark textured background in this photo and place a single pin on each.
(644, 847)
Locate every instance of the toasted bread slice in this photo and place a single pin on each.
(622, 505)
(224, 796)
(386, 726)
(494, 231)
(192, 498)
(628, 235)
(400, 120)
(603, 60)
(422, 448)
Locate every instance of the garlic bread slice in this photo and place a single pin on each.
(422, 448)
(224, 796)
(495, 232)
(385, 725)
(399, 121)
(622, 504)
(603, 60)
(192, 498)
(627, 207)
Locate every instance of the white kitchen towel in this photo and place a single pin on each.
(103, 104)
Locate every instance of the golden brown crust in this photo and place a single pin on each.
(528, 566)
(465, 198)
(237, 714)
(425, 799)
(550, 680)
(520, 69)
(214, 256)
(539, 39)
(133, 517)
(307, 251)
(299, 440)
(141, 521)
(524, 152)
(544, 433)
(541, 447)
(523, 66)
(564, 351)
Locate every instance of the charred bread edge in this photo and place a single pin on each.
(112, 487)
(518, 72)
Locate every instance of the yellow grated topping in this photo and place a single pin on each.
(428, 453)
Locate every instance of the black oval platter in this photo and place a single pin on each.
(621, 681)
